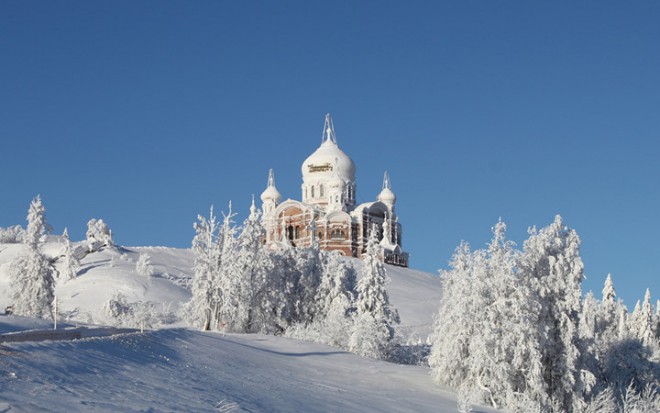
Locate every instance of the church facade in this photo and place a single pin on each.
(328, 211)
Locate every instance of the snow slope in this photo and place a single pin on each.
(181, 370)
(112, 270)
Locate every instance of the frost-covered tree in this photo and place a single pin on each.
(37, 226)
(337, 288)
(334, 304)
(552, 260)
(283, 290)
(645, 329)
(143, 265)
(455, 326)
(117, 310)
(589, 326)
(225, 287)
(375, 318)
(11, 235)
(608, 317)
(484, 342)
(609, 295)
(250, 271)
(32, 285)
(308, 266)
(204, 245)
(98, 235)
(70, 264)
(513, 331)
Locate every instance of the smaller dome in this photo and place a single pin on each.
(386, 196)
(271, 193)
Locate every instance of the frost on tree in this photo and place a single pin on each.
(552, 260)
(98, 235)
(645, 322)
(513, 331)
(333, 304)
(251, 268)
(204, 245)
(374, 317)
(11, 235)
(224, 294)
(484, 341)
(70, 264)
(32, 285)
(143, 265)
(335, 300)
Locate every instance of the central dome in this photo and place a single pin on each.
(328, 160)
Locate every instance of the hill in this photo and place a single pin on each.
(174, 368)
(112, 271)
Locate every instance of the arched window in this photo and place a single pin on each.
(321, 191)
(312, 191)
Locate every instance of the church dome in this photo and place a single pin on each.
(328, 160)
(271, 193)
(387, 197)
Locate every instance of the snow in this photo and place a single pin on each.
(415, 294)
(186, 370)
(181, 369)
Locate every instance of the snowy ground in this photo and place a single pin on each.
(182, 370)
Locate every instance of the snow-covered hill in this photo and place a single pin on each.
(105, 273)
(177, 369)
(181, 370)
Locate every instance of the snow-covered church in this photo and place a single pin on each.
(328, 210)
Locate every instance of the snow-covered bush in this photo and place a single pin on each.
(11, 235)
(143, 265)
(117, 309)
(98, 235)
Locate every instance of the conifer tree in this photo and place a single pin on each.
(32, 285)
(251, 268)
(552, 259)
(204, 245)
(483, 343)
(71, 264)
(645, 328)
(375, 317)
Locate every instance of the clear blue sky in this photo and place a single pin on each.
(144, 113)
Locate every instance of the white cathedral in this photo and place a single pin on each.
(328, 210)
